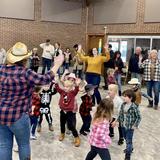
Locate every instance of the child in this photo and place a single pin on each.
(34, 60)
(67, 58)
(46, 95)
(68, 108)
(110, 78)
(129, 119)
(35, 111)
(85, 108)
(99, 136)
(113, 94)
(136, 87)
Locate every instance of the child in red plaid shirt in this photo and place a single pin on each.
(35, 111)
(99, 138)
(85, 108)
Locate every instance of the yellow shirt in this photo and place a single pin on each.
(94, 63)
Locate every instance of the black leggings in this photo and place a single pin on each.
(69, 118)
(103, 153)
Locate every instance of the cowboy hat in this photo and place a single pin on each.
(17, 53)
(134, 81)
(72, 75)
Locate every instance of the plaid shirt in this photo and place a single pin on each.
(86, 105)
(147, 70)
(99, 135)
(16, 87)
(36, 101)
(133, 116)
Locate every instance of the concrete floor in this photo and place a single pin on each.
(146, 138)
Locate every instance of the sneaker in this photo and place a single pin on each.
(68, 132)
(51, 127)
(120, 142)
(61, 137)
(83, 133)
(33, 137)
(39, 128)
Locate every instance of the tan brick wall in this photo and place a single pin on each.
(35, 32)
(139, 28)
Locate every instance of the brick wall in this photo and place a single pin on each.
(35, 32)
(139, 28)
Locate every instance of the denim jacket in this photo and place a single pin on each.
(133, 116)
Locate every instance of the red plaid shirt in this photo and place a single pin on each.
(86, 105)
(99, 135)
(36, 101)
(16, 88)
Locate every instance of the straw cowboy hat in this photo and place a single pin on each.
(134, 81)
(17, 53)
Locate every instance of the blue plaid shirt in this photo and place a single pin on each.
(16, 87)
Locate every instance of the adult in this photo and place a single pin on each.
(108, 65)
(2, 56)
(58, 52)
(152, 77)
(134, 61)
(34, 60)
(93, 71)
(118, 65)
(16, 87)
(78, 64)
(47, 55)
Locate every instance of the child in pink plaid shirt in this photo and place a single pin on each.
(99, 138)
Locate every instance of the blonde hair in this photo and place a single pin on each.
(110, 71)
(104, 110)
(113, 87)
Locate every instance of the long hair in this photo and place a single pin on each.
(104, 110)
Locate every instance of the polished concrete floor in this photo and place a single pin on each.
(146, 138)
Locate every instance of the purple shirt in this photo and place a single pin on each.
(16, 87)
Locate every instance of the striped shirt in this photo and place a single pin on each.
(16, 87)
(99, 135)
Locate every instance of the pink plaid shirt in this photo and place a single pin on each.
(99, 135)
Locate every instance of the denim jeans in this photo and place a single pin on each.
(21, 130)
(34, 121)
(118, 80)
(94, 79)
(46, 63)
(86, 123)
(128, 136)
(153, 85)
(103, 153)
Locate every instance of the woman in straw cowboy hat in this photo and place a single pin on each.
(16, 87)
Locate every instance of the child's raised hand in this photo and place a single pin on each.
(78, 81)
(79, 48)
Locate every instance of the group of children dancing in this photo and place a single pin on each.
(111, 111)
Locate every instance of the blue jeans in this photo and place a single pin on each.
(21, 130)
(118, 80)
(94, 79)
(86, 123)
(153, 85)
(128, 136)
(34, 122)
(46, 63)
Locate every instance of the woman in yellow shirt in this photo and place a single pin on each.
(94, 67)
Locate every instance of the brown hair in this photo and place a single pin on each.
(104, 110)
(130, 93)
